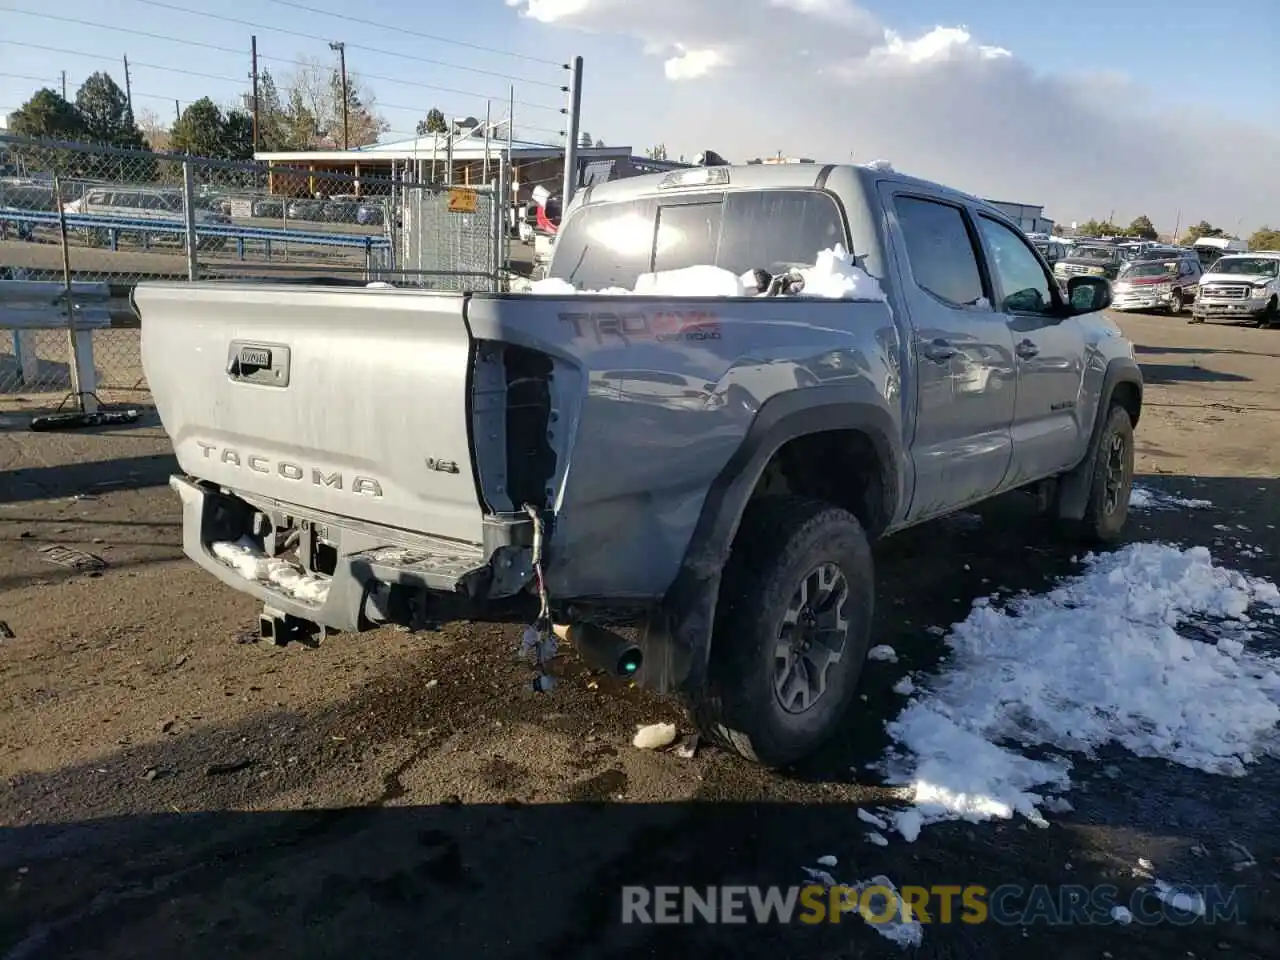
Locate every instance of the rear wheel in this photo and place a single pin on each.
(792, 632)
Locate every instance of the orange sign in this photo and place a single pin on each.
(462, 201)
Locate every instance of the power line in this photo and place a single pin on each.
(23, 76)
(238, 52)
(355, 46)
(98, 56)
(416, 33)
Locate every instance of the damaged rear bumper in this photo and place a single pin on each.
(375, 575)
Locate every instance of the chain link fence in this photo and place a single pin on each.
(131, 216)
(452, 237)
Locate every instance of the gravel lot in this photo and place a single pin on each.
(176, 789)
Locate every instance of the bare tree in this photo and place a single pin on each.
(316, 88)
(154, 130)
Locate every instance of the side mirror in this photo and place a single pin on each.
(1088, 294)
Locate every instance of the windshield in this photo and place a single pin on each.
(1096, 254)
(1248, 266)
(1151, 268)
(610, 244)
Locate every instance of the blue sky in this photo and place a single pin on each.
(1139, 76)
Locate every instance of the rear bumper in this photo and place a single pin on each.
(375, 572)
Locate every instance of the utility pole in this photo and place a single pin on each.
(64, 84)
(128, 87)
(571, 138)
(177, 111)
(253, 54)
(342, 66)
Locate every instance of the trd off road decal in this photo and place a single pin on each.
(665, 326)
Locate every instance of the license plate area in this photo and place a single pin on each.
(264, 364)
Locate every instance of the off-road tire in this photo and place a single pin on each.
(1104, 523)
(780, 541)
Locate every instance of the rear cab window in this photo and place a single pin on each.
(611, 244)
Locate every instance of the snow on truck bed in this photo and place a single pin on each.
(833, 276)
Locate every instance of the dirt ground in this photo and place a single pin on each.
(174, 788)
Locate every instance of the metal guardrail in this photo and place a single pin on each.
(35, 310)
(90, 221)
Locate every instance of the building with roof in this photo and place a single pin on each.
(432, 157)
(1029, 216)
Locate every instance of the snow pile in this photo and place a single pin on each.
(1145, 498)
(1098, 660)
(699, 281)
(252, 564)
(833, 276)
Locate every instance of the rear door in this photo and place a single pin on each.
(963, 353)
(1048, 351)
(348, 401)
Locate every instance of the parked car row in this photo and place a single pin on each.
(1213, 279)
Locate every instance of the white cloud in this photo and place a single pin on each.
(691, 64)
(826, 79)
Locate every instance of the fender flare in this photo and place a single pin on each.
(678, 643)
(1073, 490)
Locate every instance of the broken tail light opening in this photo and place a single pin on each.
(695, 177)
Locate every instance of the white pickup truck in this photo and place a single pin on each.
(1241, 286)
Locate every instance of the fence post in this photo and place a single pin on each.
(189, 211)
(499, 223)
(84, 382)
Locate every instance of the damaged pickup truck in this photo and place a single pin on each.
(719, 465)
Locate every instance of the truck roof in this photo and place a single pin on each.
(1252, 255)
(763, 177)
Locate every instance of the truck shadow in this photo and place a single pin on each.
(195, 845)
(94, 476)
(1171, 373)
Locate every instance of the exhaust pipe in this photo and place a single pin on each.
(602, 649)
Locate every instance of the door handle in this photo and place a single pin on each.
(939, 351)
(1026, 349)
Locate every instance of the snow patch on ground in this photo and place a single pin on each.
(1180, 898)
(251, 563)
(1145, 498)
(833, 276)
(885, 911)
(1097, 660)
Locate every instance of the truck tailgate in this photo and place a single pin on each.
(348, 401)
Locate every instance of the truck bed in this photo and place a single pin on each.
(405, 412)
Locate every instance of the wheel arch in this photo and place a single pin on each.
(1122, 384)
(851, 429)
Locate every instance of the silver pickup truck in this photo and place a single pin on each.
(719, 465)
